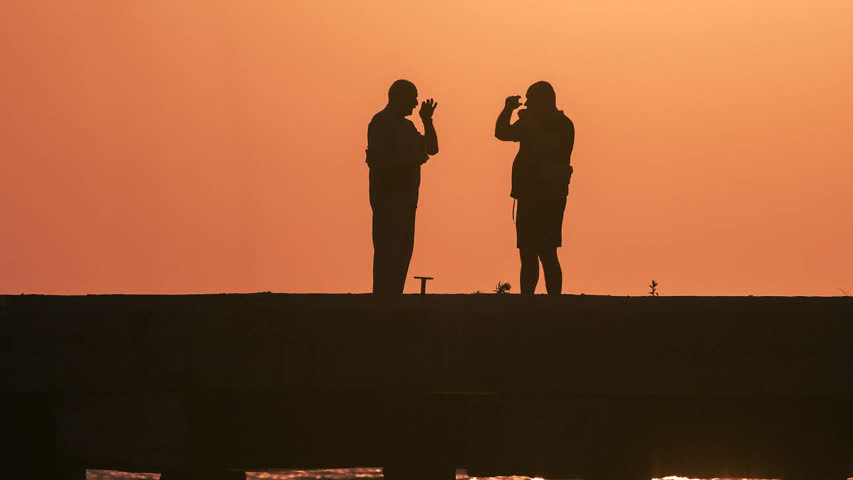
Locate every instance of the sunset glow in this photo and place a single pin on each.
(218, 146)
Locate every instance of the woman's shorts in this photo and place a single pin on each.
(539, 222)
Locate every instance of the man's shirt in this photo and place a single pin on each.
(395, 152)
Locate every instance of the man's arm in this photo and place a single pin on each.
(380, 146)
(503, 130)
(430, 137)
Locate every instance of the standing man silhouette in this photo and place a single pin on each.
(395, 152)
(540, 181)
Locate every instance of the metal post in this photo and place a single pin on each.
(423, 283)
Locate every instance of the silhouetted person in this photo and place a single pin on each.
(395, 153)
(540, 181)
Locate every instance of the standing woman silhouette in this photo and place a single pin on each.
(540, 181)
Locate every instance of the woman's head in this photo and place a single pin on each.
(541, 98)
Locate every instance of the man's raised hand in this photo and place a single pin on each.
(427, 109)
(512, 102)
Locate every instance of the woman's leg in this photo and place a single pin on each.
(552, 270)
(529, 270)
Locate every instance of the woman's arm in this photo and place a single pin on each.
(503, 130)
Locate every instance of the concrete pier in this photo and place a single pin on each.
(576, 386)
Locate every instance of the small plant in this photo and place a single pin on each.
(654, 289)
(503, 287)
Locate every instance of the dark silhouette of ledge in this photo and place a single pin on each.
(592, 386)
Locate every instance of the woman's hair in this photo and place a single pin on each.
(544, 94)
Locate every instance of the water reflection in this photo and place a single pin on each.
(324, 474)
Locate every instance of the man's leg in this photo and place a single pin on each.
(382, 252)
(405, 247)
(529, 270)
(551, 269)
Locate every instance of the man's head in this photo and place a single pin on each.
(541, 98)
(403, 97)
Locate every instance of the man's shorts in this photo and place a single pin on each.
(539, 222)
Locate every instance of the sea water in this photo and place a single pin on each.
(325, 474)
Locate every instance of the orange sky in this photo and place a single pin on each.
(213, 146)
